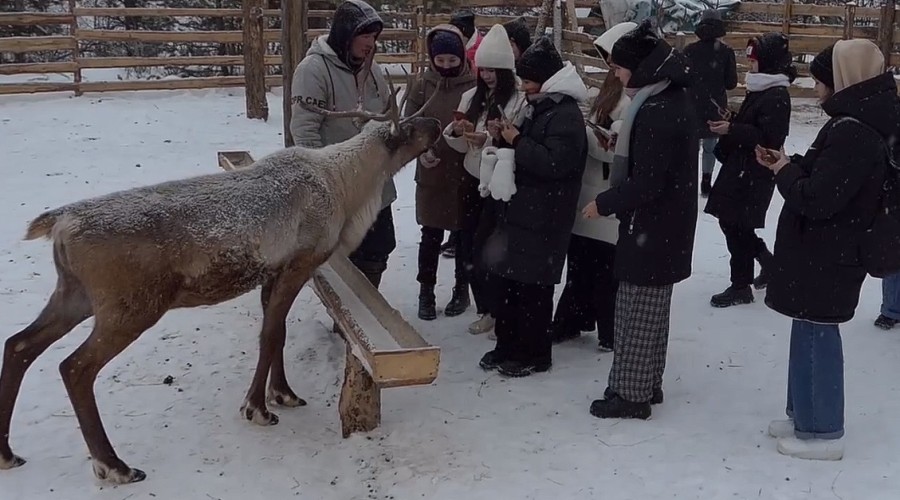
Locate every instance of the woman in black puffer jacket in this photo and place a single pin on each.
(743, 190)
(831, 196)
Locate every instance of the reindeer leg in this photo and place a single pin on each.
(67, 307)
(113, 332)
(280, 391)
(278, 297)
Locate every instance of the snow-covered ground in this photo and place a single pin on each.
(470, 434)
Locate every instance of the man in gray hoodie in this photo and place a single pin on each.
(337, 72)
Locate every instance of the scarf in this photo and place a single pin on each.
(618, 172)
(757, 82)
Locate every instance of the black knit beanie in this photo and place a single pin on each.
(540, 62)
(822, 67)
(464, 20)
(633, 47)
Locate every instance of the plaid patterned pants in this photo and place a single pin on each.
(641, 339)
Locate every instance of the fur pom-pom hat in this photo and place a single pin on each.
(540, 62)
(495, 51)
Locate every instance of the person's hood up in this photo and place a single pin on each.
(453, 30)
(663, 63)
(352, 17)
(604, 43)
(873, 101)
(855, 61)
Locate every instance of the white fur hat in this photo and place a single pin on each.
(605, 42)
(495, 51)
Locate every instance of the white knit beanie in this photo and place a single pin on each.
(495, 51)
(605, 42)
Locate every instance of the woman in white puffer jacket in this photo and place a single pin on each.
(588, 300)
(497, 87)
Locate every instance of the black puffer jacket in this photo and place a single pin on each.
(713, 72)
(743, 190)
(831, 196)
(657, 204)
(529, 241)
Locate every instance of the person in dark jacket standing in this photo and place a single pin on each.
(653, 193)
(526, 249)
(831, 196)
(441, 180)
(743, 190)
(713, 72)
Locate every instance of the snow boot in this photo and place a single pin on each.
(781, 428)
(732, 296)
(460, 301)
(885, 323)
(560, 332)
(427, 309)
(617, 407)
(812, 449)
(491, 360)
(706, 185)
(765, 259)
(518, 369)
(657, 398)
(484, 324)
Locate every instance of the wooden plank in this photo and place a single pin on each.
(387, 34)
(165, 12)
(35, 87)
(148, 62)
(171, 36)
(173, 84)
(802, 29)
(328, 14)
(581, 4)
(51, 67)
(885, 28)
(254, 51)
(799, 44)
(21, 44)
(76, 52)
(406, 367)
(799, 9)
(294, 21)
(34, 19)
(576, 36)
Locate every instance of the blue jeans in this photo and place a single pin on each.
(708, 161)
(890, 296)
(815, 395)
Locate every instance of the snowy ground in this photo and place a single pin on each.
(470, 434)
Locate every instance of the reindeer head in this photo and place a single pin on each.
(405, 139)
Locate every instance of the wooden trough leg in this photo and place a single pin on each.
(360, 404)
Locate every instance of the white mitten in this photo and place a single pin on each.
(488, 160)
(503, 182)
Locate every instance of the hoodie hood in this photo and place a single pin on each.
(855, 61)
(873, 101)
(566, 82)
(465, 74)
(352, 18)
(663, 63)
(605, 42)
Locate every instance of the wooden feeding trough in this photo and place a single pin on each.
(383, 349)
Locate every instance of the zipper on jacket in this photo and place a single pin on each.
(631, 224)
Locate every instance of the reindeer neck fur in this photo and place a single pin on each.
(362, 165)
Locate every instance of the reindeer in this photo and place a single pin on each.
(128, 257)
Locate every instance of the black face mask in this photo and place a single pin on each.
(449, 72)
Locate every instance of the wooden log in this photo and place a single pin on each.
(148, 62)
(22, 44)
(171, 36)
(174, 84)
(293, 48)
(886, 28)
(786, 17)
(387, 34)
(165, 12)
(581, 4)
(254, 66)
(799, 9)
(34, 19)
(360, 403)
(52, 67)
(849, 20)
(35, 87)
(76, 51)
(833, 30)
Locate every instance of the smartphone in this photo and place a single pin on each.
(605, 132)
(771, 156)
(503, 116)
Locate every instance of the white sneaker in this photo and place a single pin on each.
(781, 428)
(812, 449)
(483, 324)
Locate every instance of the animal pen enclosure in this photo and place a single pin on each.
(257, 52)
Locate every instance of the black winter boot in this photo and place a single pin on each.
(427, 309)
(765, 259)
(616, 407)
(460, 301)
(732, 296)
(706, 185)
(885, 323)
(655, 400)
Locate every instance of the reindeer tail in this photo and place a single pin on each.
(43, 225)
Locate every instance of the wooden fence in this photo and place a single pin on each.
(880, 25)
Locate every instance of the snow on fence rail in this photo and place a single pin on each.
(406, 31)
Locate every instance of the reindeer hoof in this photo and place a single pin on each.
(259, 416)
(11, 463)
(126, 475)
(285, 398)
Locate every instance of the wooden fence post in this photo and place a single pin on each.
(886, 29)
(76, 52)
(849, 19)
(254, 60)
(786, 17)
(293, 44)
